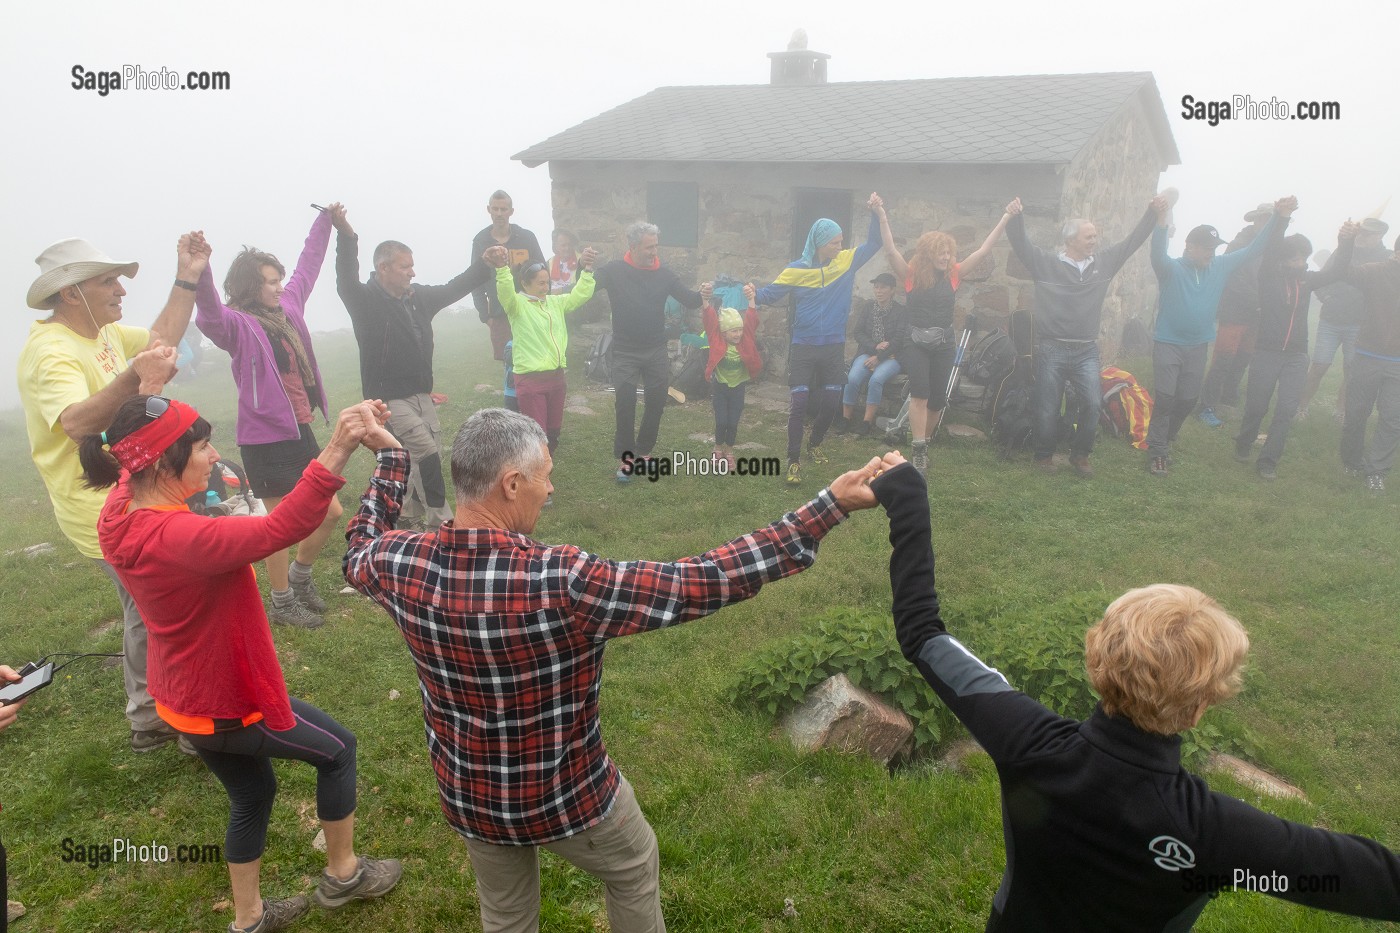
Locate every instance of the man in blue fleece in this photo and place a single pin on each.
(1190, 289)
(822, 280)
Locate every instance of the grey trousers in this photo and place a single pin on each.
(140, 708)
(1269, 369)
(1371, 383)
(1177, 373)
(414, 421)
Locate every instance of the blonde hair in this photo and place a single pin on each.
(1161, 652)
(921, 259)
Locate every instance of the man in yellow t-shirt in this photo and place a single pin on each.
(77, 366)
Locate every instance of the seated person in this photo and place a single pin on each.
(1104, 828)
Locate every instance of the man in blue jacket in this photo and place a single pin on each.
(1191, 286)
(823, 280)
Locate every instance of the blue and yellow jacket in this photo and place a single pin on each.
(823, 293)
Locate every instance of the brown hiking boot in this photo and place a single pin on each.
(1081, 467)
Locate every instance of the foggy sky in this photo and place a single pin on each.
(409, 113)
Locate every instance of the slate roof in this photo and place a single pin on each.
(1010, 119)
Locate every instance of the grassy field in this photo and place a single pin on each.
(1308, 563)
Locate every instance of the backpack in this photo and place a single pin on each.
(989, 361)
(1126, 408)
(599, 367)
(1012, 416)
(228, 493)
(688, 371)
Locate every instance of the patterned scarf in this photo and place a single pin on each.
(281, 334)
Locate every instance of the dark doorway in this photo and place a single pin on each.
(810, 205)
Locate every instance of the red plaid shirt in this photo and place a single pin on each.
(508, 638)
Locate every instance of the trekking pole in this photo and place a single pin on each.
(963, 340)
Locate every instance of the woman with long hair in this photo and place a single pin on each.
(263, 328)
(931, 277)
(213, 669)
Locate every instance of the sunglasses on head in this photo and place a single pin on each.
(156, 406)
(533, 268)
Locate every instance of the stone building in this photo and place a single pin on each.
(735, 175)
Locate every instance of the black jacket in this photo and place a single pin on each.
(896, 331)
(523, 247)
(396, 335)
(638, 299)
(1284, 297)
(1105, 831)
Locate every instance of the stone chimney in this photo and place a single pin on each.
(797, 65)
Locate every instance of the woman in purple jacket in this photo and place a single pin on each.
(263, 328)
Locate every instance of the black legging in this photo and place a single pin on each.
(241, 760)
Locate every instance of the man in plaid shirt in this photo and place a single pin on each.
(508, 637)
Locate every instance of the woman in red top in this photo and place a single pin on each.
(213, 670)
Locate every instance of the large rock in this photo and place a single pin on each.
(838, 714)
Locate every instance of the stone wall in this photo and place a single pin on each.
(746, 217)
(1111, 182)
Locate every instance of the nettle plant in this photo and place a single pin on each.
(1040, 651)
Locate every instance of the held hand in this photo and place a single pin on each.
(875, 203)
(882, 345)
(706, 290)
(377, 436)
(588, 257)
(192, 255)
(154, 366)
(749, 291)
(1285, 207)
(339, 219)
(1161, 206)
(852, 489)
(351, 426)
(495, 256)
(1014, 207)
(1348, 231)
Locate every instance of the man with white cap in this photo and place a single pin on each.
(76, 368)
(1190, 289)
(1236, 324)
(1343, 310)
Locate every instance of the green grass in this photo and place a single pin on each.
(1308, 563)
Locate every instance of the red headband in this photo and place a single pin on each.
(142, 447)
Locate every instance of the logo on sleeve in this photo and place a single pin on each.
(1172, 854)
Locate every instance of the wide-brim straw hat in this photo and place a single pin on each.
(69, 262)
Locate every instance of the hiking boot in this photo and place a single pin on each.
(816, 454)
(373, 878)
(919, 458)
(1243, 454)
(1209, 419)
(1375, 484)
(1082, 468)
(840, 425)
(1157, 466)
(865, 429)
(293, 614)
(794, 473)
(148, 740)
(276, 915)
(306, 595)
(1046, 465)
(1267, 472)
(185, 747)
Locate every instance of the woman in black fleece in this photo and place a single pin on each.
(1105, 831)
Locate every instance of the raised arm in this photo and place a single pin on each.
(980, 253)
(192, 258)
(898, 266)
(1112, 258)
(313, 255)
(582, 291)
(1340, 262)
(68, 403)
(867, 250)
(213, 316)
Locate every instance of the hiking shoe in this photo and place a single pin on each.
(794, 473)
(276, 915)
(306, 595)
(373, 878)
(1082, 468)
(841, 425)
(919, 458)
(1243, 454)
(1209, 419)
(294, 614)
(864, 429)
(148, 740)
(185, 747)
(1375, 483)
(1157, 466)
(1267, 472)
(1046, 465)
(816, 454)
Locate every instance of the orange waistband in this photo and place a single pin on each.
(203, 725)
